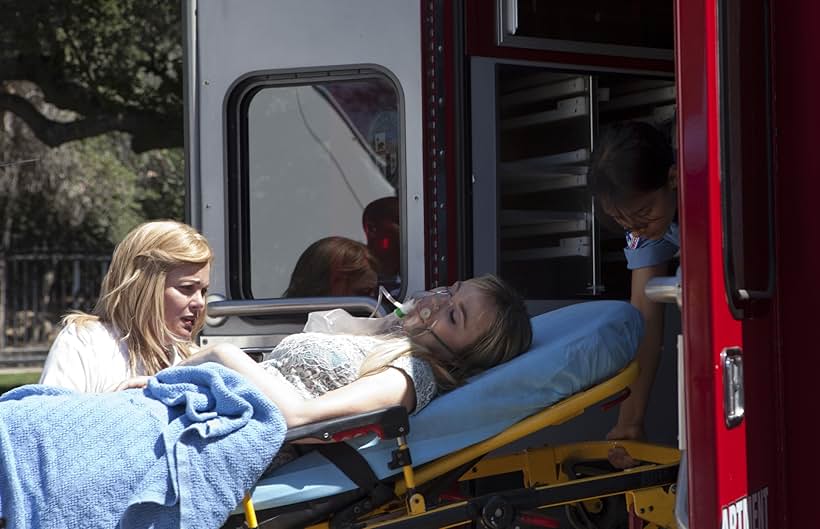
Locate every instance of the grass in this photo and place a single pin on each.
(12, 380)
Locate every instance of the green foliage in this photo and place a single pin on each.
(127, 53)
(12, 380)
(117, 62)
(161, 186)
(85, 195)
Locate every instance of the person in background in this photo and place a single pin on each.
(634, 178)
(380, 221)
(150, 308)
(334, 266)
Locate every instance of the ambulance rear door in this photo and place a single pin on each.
(299, 116)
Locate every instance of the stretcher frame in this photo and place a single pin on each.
(649, 488)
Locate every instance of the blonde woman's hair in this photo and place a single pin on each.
(509, 334)
(132, 294)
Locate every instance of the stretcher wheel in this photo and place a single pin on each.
(612, 515)
(601, 513)
(497, 514)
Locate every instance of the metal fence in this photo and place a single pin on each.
(36, 290)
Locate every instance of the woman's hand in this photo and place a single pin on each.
(133, 383)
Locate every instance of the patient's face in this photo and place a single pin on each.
(457, 315)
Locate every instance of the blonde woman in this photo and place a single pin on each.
(151, 305)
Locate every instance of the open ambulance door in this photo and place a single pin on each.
(299, 116)
(728, 261)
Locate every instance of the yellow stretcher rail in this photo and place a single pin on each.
(555, 414)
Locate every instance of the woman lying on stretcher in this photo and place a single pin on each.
(183, 452)
(450, 334)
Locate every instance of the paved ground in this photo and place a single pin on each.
(10, 370)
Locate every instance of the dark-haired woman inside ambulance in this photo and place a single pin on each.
(635, 181)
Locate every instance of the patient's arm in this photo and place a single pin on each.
(384, 389)
(389, 387)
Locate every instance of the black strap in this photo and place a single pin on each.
(352, 463)
(355, 467)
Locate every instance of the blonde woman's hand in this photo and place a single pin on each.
(134, 383)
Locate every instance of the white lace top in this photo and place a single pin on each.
(315, 363)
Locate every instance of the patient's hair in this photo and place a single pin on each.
(132, 294)
(509, 334)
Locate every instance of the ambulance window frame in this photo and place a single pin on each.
(744, 301)
(237, 152)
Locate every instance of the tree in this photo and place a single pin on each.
(116, 64)
(83, 196)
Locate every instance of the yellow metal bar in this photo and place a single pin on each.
(250, 512)
(407, 470)
(659, 454)
(415, 501)
(386, 523)
(541, 466)
(555, 414)
(655, 505)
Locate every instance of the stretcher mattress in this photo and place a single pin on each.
(573, 348)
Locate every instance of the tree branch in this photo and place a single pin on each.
(148, 131)
(56, 90)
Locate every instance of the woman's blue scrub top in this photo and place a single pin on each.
(641, 253)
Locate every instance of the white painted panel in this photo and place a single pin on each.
(235, 38)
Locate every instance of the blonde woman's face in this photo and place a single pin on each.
(185, 289)
(454, 318)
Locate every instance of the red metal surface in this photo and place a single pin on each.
(450, 125)
(480, 16)
(797, 122)
(763, 415)
(622, 396)
(717, 455)
(730, 444)
(536, 519)
(358, 432)
(428, 139)
(694, 142)
(439, 99)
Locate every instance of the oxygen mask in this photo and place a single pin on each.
(401, 309)
(428, 309)
(428, 303)
(419, 313)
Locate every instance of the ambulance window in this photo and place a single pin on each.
(320, 188)
(746, 155)
(642, 28)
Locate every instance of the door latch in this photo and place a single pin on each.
(733, 401)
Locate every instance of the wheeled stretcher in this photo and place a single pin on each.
(437, 468)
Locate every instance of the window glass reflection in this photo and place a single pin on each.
(322, 191)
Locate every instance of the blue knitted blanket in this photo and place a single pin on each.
(180, 453)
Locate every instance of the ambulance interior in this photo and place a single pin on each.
(314, 150)
(533, 127)
(308, 151)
